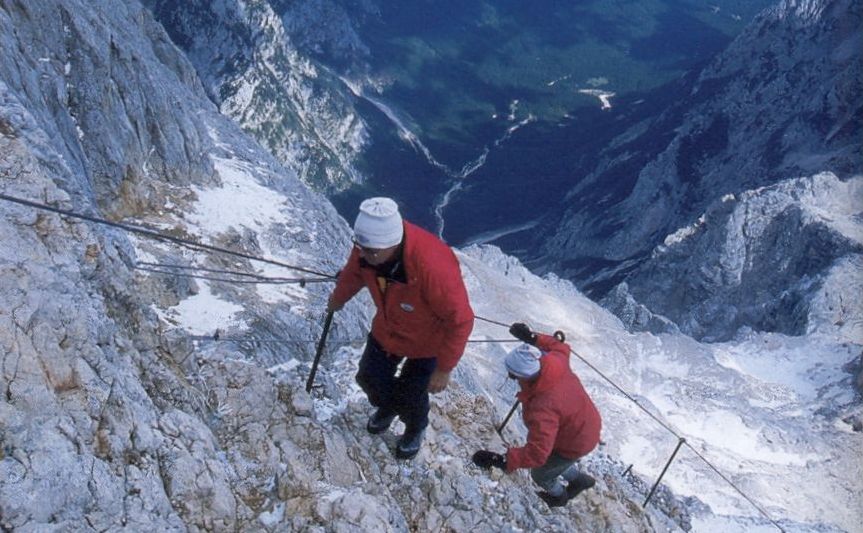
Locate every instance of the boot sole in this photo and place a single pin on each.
(377, 430)
(401, 454)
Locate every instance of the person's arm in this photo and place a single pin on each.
(542, 427)
(549, 343)
(348, 284)
(447, 297)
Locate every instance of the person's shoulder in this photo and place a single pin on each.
(422, 238)
(427, 249)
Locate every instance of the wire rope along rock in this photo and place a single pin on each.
(159, 236)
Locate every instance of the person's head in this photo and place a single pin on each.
(378, 230)
(522, 362)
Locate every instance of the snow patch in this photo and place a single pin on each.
(563, 78)
(287, 366)
(731, 436)
(684, 233)
(603, 96)
(241, 202)
(491, 236)
(273, 517)
(204, 313)
(758, 408)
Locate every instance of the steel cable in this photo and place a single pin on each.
(159, 236)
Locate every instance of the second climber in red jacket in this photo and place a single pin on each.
(563, 424)
(422, 322)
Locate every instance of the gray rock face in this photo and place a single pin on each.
(859, 379)
(81, 77)
(327, 28)
(114, 418)
(100, 426)
(300, 111)
(782, 101)
(756, 260)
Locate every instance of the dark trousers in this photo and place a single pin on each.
(405, 394)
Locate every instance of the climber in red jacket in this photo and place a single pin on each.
(562, 422)
(422, 322)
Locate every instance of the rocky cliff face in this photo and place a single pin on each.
(782, 101)
(101, 426)
(251, 69)
(113, 416)
(328, 29)
(754, 260)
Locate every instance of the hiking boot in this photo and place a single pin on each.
(581, 483)
(409, 444)
(379, 422)
(553, 501)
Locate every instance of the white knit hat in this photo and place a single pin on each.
(523, 361)
(379, 224)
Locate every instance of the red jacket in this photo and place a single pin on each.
(429, 316)
(559, 415)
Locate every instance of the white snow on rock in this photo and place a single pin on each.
(240, 202)
(203, 313)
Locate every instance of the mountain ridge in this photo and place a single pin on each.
(735, 149)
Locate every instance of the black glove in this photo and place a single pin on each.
(487, 459)
(520, 331)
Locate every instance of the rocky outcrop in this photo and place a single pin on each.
(251, 69)
(100, 425)
(328, 29)
(758, 260)
(783, 100)
(84, 87)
